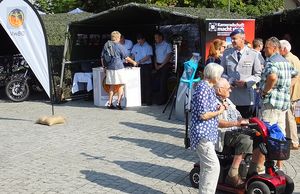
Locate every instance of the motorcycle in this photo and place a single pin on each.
(18, 87)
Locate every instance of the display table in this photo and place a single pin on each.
(82, 77)
(132, 88)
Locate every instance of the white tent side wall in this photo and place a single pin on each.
(24, 27)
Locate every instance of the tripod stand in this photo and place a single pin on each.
(172, 98)
(183, 85)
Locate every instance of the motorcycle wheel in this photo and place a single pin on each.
(17, 90)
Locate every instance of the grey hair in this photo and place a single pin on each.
(285, 44)
(275, 42)
(115, 35)
(213, 71)
(221, 83)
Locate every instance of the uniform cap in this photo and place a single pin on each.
(237, 31)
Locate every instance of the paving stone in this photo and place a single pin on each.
(137, 150)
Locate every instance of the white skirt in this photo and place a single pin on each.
(115, 77)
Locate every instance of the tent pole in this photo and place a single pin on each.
(64, 58)
(52, 89)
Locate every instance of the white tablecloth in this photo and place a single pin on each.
(132, 96)
(82, 78)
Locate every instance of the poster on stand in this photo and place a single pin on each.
(221, 29)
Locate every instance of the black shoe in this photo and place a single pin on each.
(111, 106)
(119, 107)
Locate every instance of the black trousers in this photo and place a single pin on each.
(162, 75)
(246, 111)
(146, 83)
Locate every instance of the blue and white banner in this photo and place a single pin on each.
(24, 27)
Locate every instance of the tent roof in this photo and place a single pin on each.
(56, 25)
(134, 13)
(291, 16)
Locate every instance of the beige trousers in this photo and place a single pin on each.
(291, 127)
(274, 116)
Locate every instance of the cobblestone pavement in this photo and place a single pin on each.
(97, 151)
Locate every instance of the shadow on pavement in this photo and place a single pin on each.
(116, 182)
(90, 157)
(175, 132)
(78, 103)
(161, 149)
(13, 119)
(156, 111)
(164, 173)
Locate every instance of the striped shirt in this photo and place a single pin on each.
(279, 96)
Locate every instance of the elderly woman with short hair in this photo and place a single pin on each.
(204, 127)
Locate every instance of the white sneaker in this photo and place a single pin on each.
(277, 168)
(261, 170)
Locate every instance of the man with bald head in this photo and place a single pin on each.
(229, 123)
(291, 126)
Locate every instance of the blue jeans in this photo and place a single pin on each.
(209, 167)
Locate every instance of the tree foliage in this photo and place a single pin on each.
(249, 7)
(57, 6)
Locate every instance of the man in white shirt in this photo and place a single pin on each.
(163, 53)
(142, 53)
(127, 45)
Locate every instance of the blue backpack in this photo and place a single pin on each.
(275, 132)
(108, 52)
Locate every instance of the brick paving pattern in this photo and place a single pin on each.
(97, 151)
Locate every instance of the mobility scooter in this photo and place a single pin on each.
(272, 181)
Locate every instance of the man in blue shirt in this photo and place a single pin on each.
(142, 53)
(127, 44)
(163, 53)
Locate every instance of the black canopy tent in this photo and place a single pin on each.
(133, 18)
(279, 24)
(7, 47)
